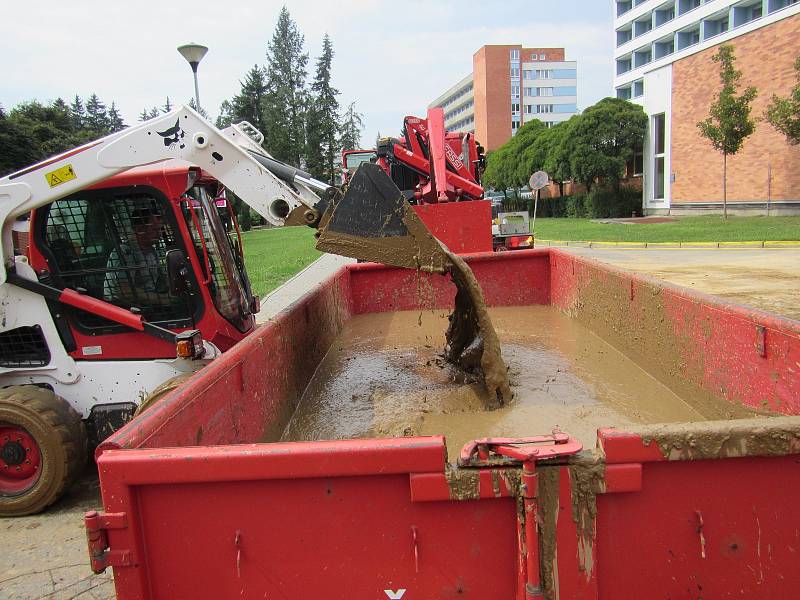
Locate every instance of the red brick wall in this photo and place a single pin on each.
(549, 54)
(766, 57)
(492, 92)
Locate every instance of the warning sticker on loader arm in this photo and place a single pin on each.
(60, 175)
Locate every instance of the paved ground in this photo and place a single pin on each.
(766, 278)
(44, 556)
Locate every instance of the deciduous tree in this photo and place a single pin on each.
(729, 122)
(784, 113)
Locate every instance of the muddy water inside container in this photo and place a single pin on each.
(383, 377)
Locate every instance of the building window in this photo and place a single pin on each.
(529, 109)
(688, 38)
(774, 5)
(515, 91)
(664, 15)
(514, 55)
(544, 108)
(544, 74)
(659, 130)
(514, 126)
(623, 65)
(542, 57)
(638, 164)
(638, 88)
(624, 93)
(745, 14)
(528, 91)
(527, 74)
(685, 6)
(544, 91)
(515, 72)
(515, 108)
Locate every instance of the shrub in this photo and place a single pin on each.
(576, 207)
(607, 204)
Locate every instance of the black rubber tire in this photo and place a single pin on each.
(161, 391)
(61, 436)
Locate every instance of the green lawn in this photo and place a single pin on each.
(686, 229)
(273, 255)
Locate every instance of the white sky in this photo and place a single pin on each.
(391, 57)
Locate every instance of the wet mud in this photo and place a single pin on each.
(384, 376)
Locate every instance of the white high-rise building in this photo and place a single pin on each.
(656, 41)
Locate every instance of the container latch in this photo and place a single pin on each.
(100, 555)
(499, 452)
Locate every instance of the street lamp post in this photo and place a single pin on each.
(194, 53)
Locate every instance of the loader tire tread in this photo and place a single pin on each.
(61, 436)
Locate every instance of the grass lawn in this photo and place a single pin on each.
(685, 229)
(273, 255)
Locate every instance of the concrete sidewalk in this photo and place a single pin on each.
(299, 285)
(763, 278)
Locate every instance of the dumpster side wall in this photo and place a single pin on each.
(695, 343)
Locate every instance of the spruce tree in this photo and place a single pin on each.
(193, 105)
(115, 122)
(225, 117)
(167, 106)
(350, 128)
(78, 112)
(96, 117)
(322, 125)
(154, 112)
(144, 115)
(248, 104)
(285, 102)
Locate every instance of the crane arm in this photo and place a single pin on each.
(234, 157)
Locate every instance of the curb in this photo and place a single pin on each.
(602, 244)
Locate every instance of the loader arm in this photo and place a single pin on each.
(234, 157)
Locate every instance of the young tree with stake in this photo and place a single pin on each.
(729, 122)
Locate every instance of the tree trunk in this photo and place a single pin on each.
(725, 186)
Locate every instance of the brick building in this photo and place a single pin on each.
(510, 85)
(663, 61)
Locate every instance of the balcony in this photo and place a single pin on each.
(744, 13)
(685, 6)
(688, 38)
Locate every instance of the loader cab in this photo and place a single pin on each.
(120, 241)
(352, 159)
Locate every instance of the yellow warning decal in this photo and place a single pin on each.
(60, 175)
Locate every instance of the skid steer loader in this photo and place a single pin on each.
(131, 280)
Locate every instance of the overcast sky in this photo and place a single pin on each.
(392, 58)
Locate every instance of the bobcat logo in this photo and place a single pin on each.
(173, 136)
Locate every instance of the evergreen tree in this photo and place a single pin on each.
(248, 104)
(322, 125)
(115, 122)
(350, 128)
(285, 102)
(96, 117)
(154, 112)
(78, 112)
(729, 123)
(167, 106)
(225, 117)
(144, 115)
(193, 105)
(2, 112)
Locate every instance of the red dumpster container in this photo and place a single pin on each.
(195, 507)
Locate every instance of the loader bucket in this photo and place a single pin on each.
(374, 222)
